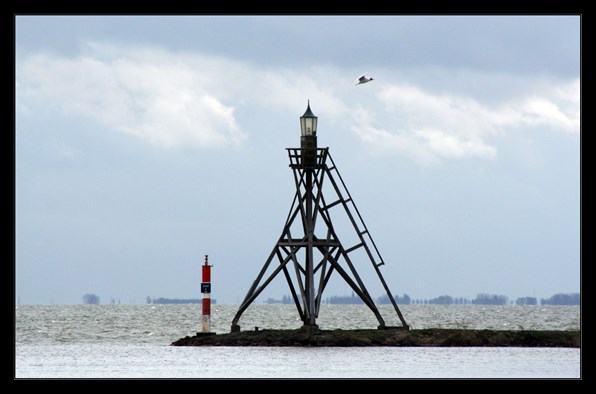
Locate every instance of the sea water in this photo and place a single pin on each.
(133, 341)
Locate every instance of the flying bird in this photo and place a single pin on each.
(362, 79)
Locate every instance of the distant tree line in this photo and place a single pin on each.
(90, 299)
(490, 299)
(442, 300)
(481, 299)
(561, 299)
(353, 299)
(162, 300)
(403, 300)
(284, 300)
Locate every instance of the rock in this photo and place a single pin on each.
(388, 337)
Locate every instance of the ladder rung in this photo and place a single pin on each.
(380, 264)
(363, 232)
(332, 204)
(355, 247)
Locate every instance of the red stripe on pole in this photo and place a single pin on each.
(206, 306)
(206, 273)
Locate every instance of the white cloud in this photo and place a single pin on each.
(391, 141)
(451, 146)
(161, 101)
(430, 126)
(559, 109)
(175, 99)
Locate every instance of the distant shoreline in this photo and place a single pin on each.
(432, 337)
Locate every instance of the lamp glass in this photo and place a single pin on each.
(308, 123)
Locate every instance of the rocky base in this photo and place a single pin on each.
(388, 337)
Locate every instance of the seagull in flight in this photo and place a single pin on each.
(362, 79)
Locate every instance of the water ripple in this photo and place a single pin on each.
(163, 324)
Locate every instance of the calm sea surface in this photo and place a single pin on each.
(133, 341)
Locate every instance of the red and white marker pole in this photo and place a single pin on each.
(206, 291)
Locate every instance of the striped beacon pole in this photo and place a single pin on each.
(206, 291)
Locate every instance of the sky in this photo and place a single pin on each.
(144, 143)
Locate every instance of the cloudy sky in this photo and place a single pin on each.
(144, 143)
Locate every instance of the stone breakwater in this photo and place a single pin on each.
(388, 337)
